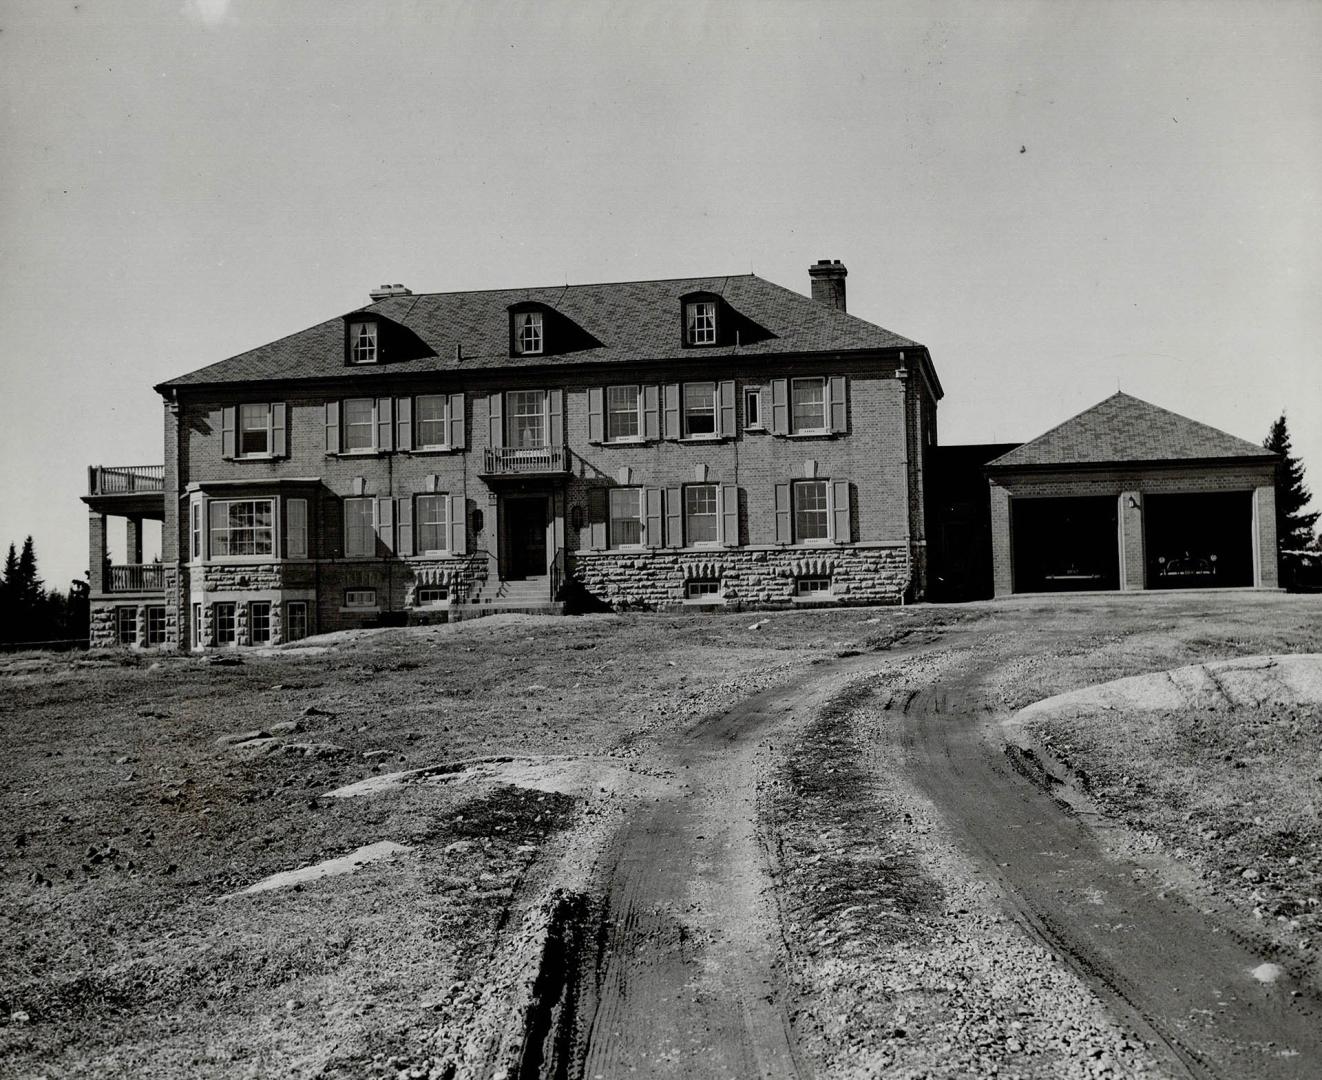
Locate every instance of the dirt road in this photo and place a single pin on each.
(688, 974)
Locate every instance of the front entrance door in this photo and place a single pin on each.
(525, 537)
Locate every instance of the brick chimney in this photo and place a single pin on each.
(389, 290)
(828, 282)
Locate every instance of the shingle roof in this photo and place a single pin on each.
(632, 321)
(1126, 429)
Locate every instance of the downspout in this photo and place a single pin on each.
(902, 374)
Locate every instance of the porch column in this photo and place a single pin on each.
(1266, 571)
(1133, 567)
(96, 552)
(1002, 569)
(133, 532)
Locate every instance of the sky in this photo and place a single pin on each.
(1058, 199)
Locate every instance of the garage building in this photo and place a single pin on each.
(1126, 496)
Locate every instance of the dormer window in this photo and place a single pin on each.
(700, 322)
(363, 342)
(528, 333)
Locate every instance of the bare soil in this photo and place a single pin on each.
(640, 845)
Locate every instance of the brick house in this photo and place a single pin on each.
(701, 441)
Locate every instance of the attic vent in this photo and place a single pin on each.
(389, 290)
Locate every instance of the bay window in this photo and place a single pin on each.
(241, 527)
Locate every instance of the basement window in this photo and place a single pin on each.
(812, 586)
(360, 598)
(706, 589)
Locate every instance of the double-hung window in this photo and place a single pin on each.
(701, 518)
(156, 626)
(433, 427)
(359, 424)
(359, 528)
(525, 419)
(623, 413)
(700, 322)
(753, 408)
(195, 528)
(699, 409)
(808, 406)
(812, 519)
(296, 620)
(528, 333)
(432, 524)
(259, 622)
(254, 430)
(363, 342)
(626, 517)
(242, 527)
(126, 625)
(225, 624)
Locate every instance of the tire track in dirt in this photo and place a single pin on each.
(688, 978)
(1159, 963)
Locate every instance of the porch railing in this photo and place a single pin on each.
(514, 460)
(136, 577)
(125, 479)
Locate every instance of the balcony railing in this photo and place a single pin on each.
(136, 577)
(523, 460)
(125, 479)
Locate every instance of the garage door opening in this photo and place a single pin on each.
(1065, 545)
(1199, 541)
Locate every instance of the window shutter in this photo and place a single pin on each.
(296, 532)
(728, 494)
(456, 514)
(672, 428)
(385, 519)
(496, 419)
(780, 407)
(674, 517)
(279, 436)
(597, 519)
(651, 413)
(652, 522)
(404, 424)
(458, 429)
(227, 422)
(783, 533)
(332, 427)
(835, 396)
(404, 525)
(596, 414)
(385, 429)
(555, 410)
(839, 493)
(726, 399)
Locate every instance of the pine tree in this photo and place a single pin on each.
(1294, 527)
(8, 598)
(29, 584)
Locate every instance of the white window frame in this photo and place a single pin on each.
(223, 533)
(154, 631)
(126, 617)
(715, 515)
(364, 341)
(825, 510)
(807, 586)
(292, 631)
(542, 412)
(360, 598)
(443, 598)
(439, 507)
(253, 606)
(352, 527)
(420, 423)
(346, 427)
(233, 609)
(612, 540)
(195, 520)
(296, 528)
(264, 424)
(715, 411)
(197, 626)
(753, 408)
(697, 589)
(637, 412)
(529, 333)
(700, 322)
(825, 426)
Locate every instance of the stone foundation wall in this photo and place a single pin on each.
(243, 577)
(758, 577)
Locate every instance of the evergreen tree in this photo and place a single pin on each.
(8, 601)
(1294, 527)
(29, 584)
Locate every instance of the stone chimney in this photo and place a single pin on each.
(828, 282)
(389, 290)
